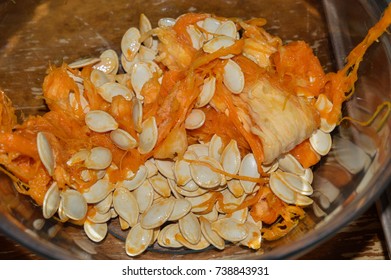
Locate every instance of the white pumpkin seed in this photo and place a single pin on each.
(166, 168)
(98, 218)
(211, 235)
(199, 203)
(104, 205)
(108, 62)
(126, 206)
(196, 36)
(51, 201)
(75, 103)
(157, 214)
(323, 104)
(295, 182)
(218, 43)
(216, 147)
(138, 240)
(325, 126)
(239, 215)
(45, 153)
(166, 22)
(200, 150)
(270, 167)
(182, 169)
(137, 114)
(212, 215)
(98, 158)
(281, 190)
(111, 89)
(144, 196)
(173, 187)
(308, 175)
(190, 189)
(207, 92)
(74, 204)
(235, 187)
(201, 245)
(122, 139)
(195, 119)
(181, 208)
(203, 175)
(146, 54)
(140, 74)
(290, 164)
(302, 200)
(123, 79)
(230, 229)
(254, 237)
(61, 214)
(230, 158)
(166, 237)
(233, 77)
(128, 65)
(148, 136)
(83, 62)
(130, 43)
(123, 224)
(321, 142)
(190, 186)
(211, 25)
(160, 185)
(79, 157)
(95, 232)
(136, 181)
(98, 78)
(98, 191)
(227, 28)
(151, 167)
(230, 201)
(100, 121)
(145, 27)
(248, 168)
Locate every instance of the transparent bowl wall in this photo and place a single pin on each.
(34, 34)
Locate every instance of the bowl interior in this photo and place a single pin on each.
(35, 34)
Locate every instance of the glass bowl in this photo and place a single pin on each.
(34, 34)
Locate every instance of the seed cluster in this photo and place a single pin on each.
(182, 201)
